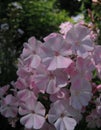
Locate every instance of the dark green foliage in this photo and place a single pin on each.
(41, 18)
(72, 6)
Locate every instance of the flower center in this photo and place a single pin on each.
(77, 43)
(34, 52)
(57, 53)
(51, 75)
(33, 112)
(62, 115)
(77, 93)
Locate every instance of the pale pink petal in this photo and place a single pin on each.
(59, 62)
(59, 124)
(53, 64)
(75, 103)
(63, 62)
(85, 98)
(61, 78)
(87, 44)
(52, 35)
(24, 94)
(32, 41)
(81, 51)
(35, 61)
(38, 121)
(71, 35)
(27, 121)
(52, 88)
(81, 30)
(23, 110)
(55, 42)
(69, 123)
(39, 109)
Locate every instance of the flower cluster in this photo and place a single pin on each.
(56, 82)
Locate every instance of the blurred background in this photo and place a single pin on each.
(22, 19)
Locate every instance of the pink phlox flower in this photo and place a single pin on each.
(79, 37)
(31, 52)
(25, 79)
(97, 54)
(24, 70)
(33, 113)
(50, 81)
(65, 27)
(9, 106)
(27, 89)
(85, 67)
(94, 119)
(3, 90)
(62, 115)
(56, 53)
(81, 92)
(62, 94)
